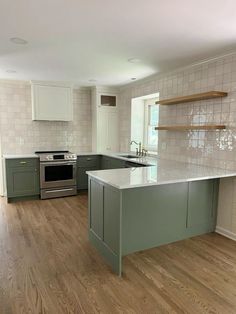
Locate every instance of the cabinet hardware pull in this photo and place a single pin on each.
(88, 159)
(23, 162)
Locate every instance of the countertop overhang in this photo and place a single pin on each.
(161, 172)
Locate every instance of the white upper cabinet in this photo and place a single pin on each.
(52, 102)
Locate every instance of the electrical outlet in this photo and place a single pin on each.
(22, 141)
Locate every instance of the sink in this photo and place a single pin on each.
(130, 156)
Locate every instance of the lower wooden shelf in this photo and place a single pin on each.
(190, 127)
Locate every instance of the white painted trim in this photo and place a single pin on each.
(52, 83)
(149, 96)
(105, 89)
(2, 187)
(13, 81)
(226, 233)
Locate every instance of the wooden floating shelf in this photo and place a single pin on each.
(190, 98)
(190, 127)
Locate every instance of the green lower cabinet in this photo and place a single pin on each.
(22, 178)
(200, 208)
(86, 163)
(106, 163)
(92, 163)
(117, 163)
(82, 177)
(131, 220)
(104, 222)
(104, 214)
(111, 215)
(96, 216)
(153, 216)
(112, 163)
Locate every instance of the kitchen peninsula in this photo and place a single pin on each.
(139, 208)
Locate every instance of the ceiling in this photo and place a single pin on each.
(83, 40)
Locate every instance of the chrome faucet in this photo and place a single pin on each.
(139, 150)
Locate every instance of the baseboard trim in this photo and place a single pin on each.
(226, 233)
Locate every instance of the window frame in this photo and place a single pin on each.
(147, 119)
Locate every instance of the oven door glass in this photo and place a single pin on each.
(58, 173)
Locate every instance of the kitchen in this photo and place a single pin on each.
(156, 231)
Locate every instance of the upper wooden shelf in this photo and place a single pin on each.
(190, 98)
(190, 127)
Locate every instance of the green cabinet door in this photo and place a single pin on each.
(106, 163)
(96, 208)
(111, 220)
(112, 163)
(200, 203)
(22, 181)
(117, 163)
(82, 177)
(86, 163)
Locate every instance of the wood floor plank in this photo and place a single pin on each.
(47, 266)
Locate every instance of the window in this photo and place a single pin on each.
(144, 119)
(151, 121)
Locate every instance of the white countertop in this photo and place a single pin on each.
(20, 156)
(36, 156)
(141, 160)
(148, 160)
(164, 172)
(161, 171)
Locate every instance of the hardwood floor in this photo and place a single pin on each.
(47, 265)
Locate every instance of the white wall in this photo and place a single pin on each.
(137, 121)
(213, 148)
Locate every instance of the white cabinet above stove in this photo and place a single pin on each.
(51, 102)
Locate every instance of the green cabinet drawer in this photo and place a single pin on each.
(88, 160)
(22, 162)
(22, 177)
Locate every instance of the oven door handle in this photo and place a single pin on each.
(58, 163)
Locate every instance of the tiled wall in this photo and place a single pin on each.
(214, 148)
(21, 135)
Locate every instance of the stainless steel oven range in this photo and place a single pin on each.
(57, 173)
